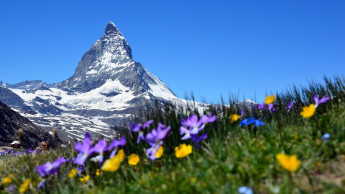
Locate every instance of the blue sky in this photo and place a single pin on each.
(213, 48)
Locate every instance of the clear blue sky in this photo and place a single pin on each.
(213, 48)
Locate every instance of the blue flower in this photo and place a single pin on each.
(245, 190)
(251, 120)
(326, 137)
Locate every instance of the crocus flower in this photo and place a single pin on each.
(289, 105)
(183, 150)
(99, 148)
(251, 120)
(289, 163)
(83, 149)
(25, 186)
(115, 144)
(270, 99)
(308, 111)
(133, 159)
(234, 118)
(318, 101)
(49, 168)
(140, 128)
(326, 137)
(245, 190)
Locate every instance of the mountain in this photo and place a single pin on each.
(11, 121)
(107, 86)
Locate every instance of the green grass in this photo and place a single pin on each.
(231, 156)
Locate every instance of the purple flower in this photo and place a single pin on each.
(251, 120)
(290, 105)
(193, 126)
(197, 140)
(326, 137)
(318, 101)
(140, 128)
(271, 108)
(99, 148)
(260, 106)
(49, 168)
(151, 152)
(157, 135)
(83, 149)
(115, 144)
(42, 184)
(243, 113)
(245, 190)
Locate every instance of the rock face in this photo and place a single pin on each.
(11, 121)
(107, 86)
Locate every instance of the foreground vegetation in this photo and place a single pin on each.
(282, 151)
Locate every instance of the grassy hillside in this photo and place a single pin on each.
(287, 154)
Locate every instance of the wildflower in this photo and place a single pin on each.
(98, 172)
(193, 126)
(183, 150)
(326, 137)
(25, 186)
(243, 113)
(99, 148)
(83, 149)
(289, 163)
(85, 179)
(155, 139)
(251, 120)
(133, 159)
(49, 168)
(270, 99)
(271, 108)
(113, 163)
(7, 180)
(41, 184)
(197, 139)
(234, 118)
(115, 144)
(318, 101)
(290, 105)
(72, 173)
(245, 190)
(260, 106)
(308, 111)
(140, 128)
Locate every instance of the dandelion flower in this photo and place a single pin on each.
(183, 150)
(234, 118)
(25, 186)
(133, 159)
(270, 99)
(289, 163)
(308, 111)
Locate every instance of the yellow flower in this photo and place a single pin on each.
(133, 159)
(270, 99)
(7, 180)
(308, 111)
(85, 179)
(289, 163)
(25, 186)
(183, 150)
(113, 163)
(72, 173)
(234, 118)
(159, 152)
(98, 172)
